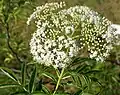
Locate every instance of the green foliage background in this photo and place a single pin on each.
(14, 14)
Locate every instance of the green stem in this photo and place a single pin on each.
(59, 79)
(57, 72)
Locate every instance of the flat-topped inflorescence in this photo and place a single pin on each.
(63, 32)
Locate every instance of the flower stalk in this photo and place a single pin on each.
(58, 82)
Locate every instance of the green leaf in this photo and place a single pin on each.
(23, 72)
(49, 75)
(38, 93)
(81, 68)
(39, 85)
(86, 79)
(7, 60)
(21, 2)
(8, 85)
(62, 94)
(32, 80)
(78, 92)
(92, 71)
(20, 93)
(76, 79)
(96, 80)
(45, 90)
(9, 73)
(80, 60)
(86, 94)
(3, 35)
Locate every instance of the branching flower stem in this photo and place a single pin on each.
(59, 79)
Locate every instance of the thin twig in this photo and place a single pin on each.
(8, 43)
(5, 13)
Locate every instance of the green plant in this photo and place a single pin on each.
(79, 75)
(82, 76)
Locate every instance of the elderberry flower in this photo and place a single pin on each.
(64, 33)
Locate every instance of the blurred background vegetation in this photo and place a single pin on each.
(13, 17)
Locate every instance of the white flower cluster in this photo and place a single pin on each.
(62, 33)
(55, 52)
(117, 34)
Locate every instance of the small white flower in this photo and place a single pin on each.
(71, 54)
(69, 30)
(95, 53)
(61, 38)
